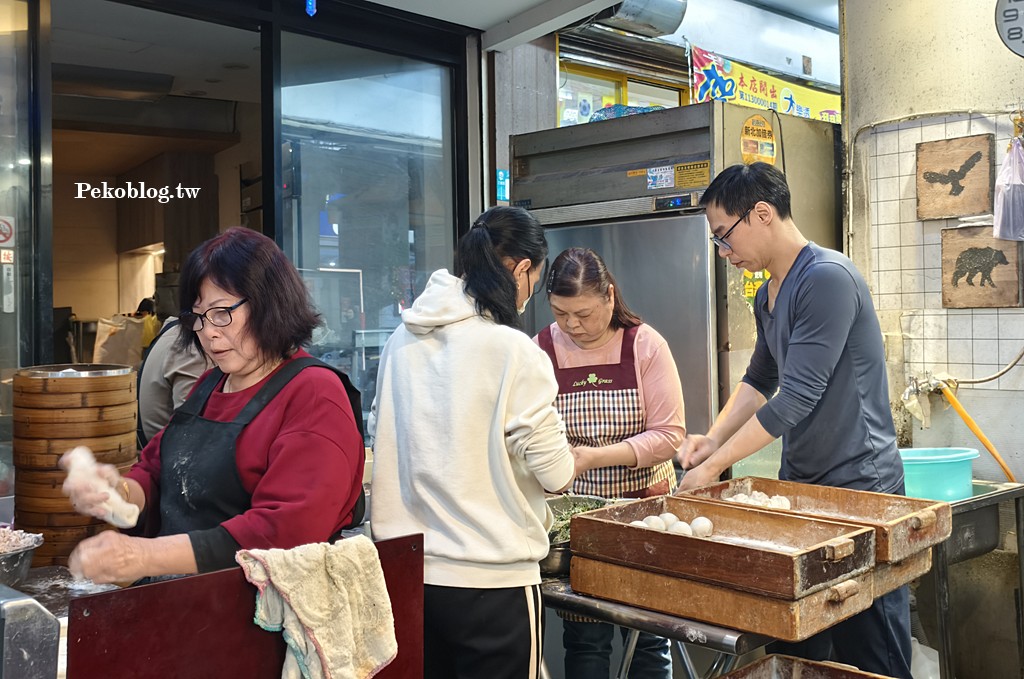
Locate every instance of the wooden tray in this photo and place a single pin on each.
(889, 576)
(903, 525)
(778, 618)
(768, 553)
(788, 667)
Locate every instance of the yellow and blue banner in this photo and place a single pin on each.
(715, 77)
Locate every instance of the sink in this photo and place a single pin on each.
(975, 523)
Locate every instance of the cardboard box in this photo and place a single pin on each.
(252, 196)
(253, 220)
(249, 171)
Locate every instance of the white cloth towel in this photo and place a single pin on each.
(331, 603)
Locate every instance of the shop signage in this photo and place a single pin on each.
(6, 232)
(715, 77)
(757, 140)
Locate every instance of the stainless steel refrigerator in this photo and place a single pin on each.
(629, 189)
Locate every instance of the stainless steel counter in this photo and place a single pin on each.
(975, 532)
(727, 644)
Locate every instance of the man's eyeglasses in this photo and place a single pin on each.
(219, 316)
(719, 241)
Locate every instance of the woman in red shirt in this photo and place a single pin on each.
(264, 453)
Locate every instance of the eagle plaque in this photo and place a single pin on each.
(954, 177)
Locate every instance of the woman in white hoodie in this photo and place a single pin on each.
(467, 442)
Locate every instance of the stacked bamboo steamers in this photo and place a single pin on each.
(58, 407)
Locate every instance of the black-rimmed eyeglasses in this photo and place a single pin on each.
(719, 241)
(218, 316)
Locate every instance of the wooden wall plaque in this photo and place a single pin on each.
(954, 177)
(979, 270)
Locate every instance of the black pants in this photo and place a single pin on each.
(876, 640)
(482, 633)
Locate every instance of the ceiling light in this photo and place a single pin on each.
(24, 161)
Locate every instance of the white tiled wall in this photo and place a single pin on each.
(907, 258)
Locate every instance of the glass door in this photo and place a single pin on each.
(16, 241)
(367, 189)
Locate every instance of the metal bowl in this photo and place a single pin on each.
(557, 561)
(14, 566)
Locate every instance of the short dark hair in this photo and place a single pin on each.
(146, 306)
(737, 188)
(248, 264)
(578, 271)
(500, 232)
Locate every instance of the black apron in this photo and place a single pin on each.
(199, 480)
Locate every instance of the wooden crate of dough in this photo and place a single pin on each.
(723, 606)
(903, 526)
(788, 667)
(768, 553)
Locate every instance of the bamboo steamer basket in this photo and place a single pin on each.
(58, 407)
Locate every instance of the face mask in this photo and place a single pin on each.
(522, 309)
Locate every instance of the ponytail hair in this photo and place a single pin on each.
(500, 232)
(579, 271)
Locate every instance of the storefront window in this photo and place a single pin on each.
(15, 220)
(584, 90)
(367, 189)
(579, 95)
(646, 94)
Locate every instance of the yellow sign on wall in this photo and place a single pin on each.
(757, 141)
(715, 77)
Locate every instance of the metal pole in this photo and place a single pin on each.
(941, 569)
(1019, 507)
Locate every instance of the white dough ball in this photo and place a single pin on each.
(655, 522)
(779, 502)
(759, 498)
(701, 526)
(680, 528)
(638, 523)
(669, 518)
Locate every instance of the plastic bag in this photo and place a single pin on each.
(118, 340)
(924, 661)
(1009, 195)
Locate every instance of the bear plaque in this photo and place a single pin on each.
(978, 270)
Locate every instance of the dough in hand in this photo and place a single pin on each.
(82, 469)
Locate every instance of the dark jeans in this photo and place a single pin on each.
(588, 651)
(876, 640)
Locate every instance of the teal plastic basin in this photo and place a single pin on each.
(938, 473)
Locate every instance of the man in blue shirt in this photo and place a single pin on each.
(816, 378)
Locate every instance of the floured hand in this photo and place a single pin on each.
(93, 491)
